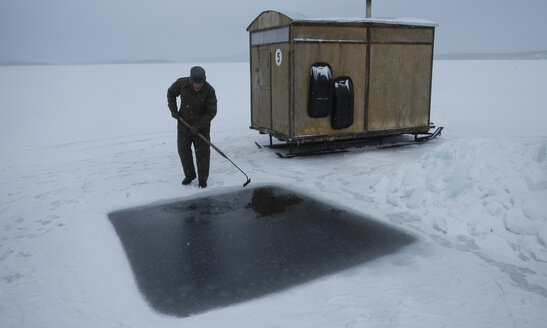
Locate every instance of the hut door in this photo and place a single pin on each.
(264, 88)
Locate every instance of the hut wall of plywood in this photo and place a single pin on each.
(389, 64)
(345, 59)
(400, 78)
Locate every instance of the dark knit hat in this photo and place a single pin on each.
(197, 74)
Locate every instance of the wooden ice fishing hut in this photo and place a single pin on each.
(339, 79)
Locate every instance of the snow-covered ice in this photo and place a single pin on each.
(78, 142)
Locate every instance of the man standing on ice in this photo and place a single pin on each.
(198, 106)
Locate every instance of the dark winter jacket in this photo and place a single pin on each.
(196, 108)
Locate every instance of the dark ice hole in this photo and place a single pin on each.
(190, 256)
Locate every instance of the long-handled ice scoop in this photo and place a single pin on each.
(218, 150)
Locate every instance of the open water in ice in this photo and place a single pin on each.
(189, 256)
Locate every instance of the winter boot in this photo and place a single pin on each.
(203, 183)
(187, 180)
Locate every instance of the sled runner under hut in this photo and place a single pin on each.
(322, 85)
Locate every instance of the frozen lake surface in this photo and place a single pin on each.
(80, 143)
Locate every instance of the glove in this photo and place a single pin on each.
(194, 129)
(175, 115)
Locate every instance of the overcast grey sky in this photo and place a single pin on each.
(72, 31)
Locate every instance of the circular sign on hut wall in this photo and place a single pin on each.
(278, 57)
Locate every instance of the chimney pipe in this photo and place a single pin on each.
(369, 9)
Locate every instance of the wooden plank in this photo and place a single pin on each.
(254, 86)
(280, 87)
(401, 35)
(264, 90)
(400, 86)
(329, 33)
(306, 54)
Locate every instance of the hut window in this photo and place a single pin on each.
(278, 35)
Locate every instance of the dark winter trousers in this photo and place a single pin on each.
(185, 140)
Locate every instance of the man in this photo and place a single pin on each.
(198, 106)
